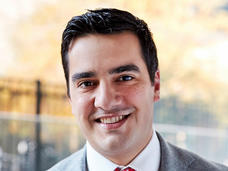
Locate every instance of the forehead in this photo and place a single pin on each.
(115, 40)
(100, 51)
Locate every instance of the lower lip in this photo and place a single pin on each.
(114, 125)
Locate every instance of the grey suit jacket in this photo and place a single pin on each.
(172, 159)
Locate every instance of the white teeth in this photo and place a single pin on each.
(127, 111)
(111, 120)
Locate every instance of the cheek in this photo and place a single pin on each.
(80, 107)
(136, 95)
(142, 99)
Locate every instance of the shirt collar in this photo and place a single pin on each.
(96, 161)
(147, 160)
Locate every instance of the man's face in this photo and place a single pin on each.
(111, 94)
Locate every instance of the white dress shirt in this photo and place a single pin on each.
(147, 160)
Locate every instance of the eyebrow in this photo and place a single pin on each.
(81, 75)
(124, 68)
(117, 70)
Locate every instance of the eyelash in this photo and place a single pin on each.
(88, 83)
(125, 76)
(82, 84)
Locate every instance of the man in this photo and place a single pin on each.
(111, 69)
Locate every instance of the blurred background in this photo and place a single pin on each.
(37, 128)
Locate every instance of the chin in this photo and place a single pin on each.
(115, 147)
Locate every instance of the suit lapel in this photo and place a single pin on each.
(83, 161)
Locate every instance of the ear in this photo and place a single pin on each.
(69, 100)
(157, 86)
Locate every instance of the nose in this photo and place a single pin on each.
(107, 97)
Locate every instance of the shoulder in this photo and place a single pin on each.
(180, 159)
(76, 161)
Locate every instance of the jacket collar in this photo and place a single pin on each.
(172, 157)
(83, 160)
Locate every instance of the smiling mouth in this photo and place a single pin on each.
(111, 120)
(115, 118)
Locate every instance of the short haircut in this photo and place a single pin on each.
(109, 21)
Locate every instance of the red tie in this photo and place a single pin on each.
(127, 169)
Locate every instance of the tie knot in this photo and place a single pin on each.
(126, 169)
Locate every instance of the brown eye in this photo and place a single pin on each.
(86, 84)
(126, 78)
